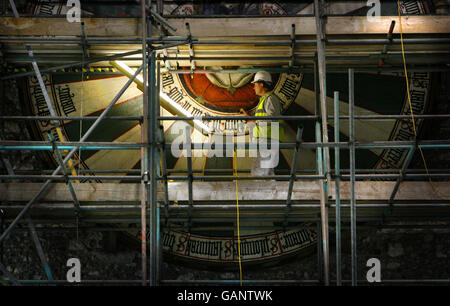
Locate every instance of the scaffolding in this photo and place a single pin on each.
(152, 147)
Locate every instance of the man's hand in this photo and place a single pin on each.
(243, 111)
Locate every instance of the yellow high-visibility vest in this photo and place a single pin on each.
(265, 130)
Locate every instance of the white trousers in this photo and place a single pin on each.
(266, 159)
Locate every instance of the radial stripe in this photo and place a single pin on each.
(98, 93)
(167, 124)
(365, 130)
(117, 159)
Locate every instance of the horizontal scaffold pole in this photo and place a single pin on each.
(205, 118)
(45, 145)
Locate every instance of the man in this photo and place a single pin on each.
(265, 131)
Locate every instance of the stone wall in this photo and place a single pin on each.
(16, 130)
(404, 254)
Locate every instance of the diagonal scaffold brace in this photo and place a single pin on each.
(64, 171)
(292, 179)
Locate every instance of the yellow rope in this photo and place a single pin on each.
(409, 99)
(72, 168)
(237, 207)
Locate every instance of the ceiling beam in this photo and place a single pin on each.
(212, 191)
(225, 27)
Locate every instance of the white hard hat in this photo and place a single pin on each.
(262, 76)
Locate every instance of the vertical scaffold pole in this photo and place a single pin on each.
(323, 208)
(152, 167)
(351, 105)
(152, 159)
(337, 186)
(324, 162)
(316, 86)
(144, 152)
(320, 36)
(319, 252)
(158, 160)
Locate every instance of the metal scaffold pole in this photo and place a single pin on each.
(143, 150)
(158, 173)
(337, 183)
(322, 79)
(152, 169)
(351, 107)
(324, 162)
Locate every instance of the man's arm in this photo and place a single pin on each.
(272, 106)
